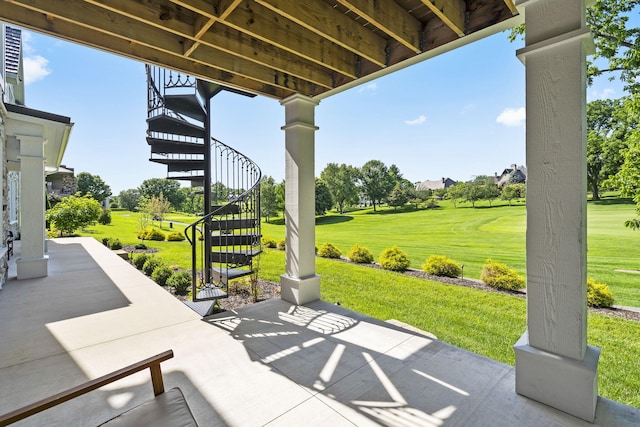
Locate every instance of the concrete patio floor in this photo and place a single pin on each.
(271, 363)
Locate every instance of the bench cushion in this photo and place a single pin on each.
(168, 409)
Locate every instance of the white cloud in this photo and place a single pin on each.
(418, 121)
(35, 68)
(371, 87)
(606, 93)
(512, 117)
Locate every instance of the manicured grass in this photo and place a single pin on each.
(470, 236)
(482, 322)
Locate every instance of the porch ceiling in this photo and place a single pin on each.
(270, 47)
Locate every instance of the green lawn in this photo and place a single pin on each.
(470, 236)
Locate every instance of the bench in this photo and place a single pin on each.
(165, 409)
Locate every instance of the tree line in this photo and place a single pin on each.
(344, 186)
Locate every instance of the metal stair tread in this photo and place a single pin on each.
(166, 124)
(230, 273)
(163, 145)
(186, 104)
(203, 308)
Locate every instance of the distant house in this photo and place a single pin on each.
(435, 185)
(60, 181)
(513, 175)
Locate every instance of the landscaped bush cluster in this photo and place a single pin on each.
(394, 259)
(105, 217)
(112, 243)
(151, 234)
(328, 250)
(175, 236)
(180, 281)
(598, 294)
(282, 245)
(360, 254)
(439, 265)
(268, 242)
(500, 276)
(161, 273)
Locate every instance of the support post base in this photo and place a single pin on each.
(563, 383)
(299, 291)
(32, 268)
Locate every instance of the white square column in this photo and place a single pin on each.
(300, 284)
(554, 365)
(33, 261)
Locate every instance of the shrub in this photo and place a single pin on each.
(282, 245)
(151, 264)
(151, 234)
(360, 254)
(598, 294)
(105, 241)
(141, 246)
(328, 250)
(180, 281)
(268, 242)
(105, 217)
(114, 244)
(175, 236)
(394, 259)
(140, 259)
(439, 265)
(161, 274)
(500, 276)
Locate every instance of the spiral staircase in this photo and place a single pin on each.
(225, 241)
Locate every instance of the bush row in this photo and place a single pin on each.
(161, 273)
(494, 274)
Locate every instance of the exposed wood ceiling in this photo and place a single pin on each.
(270, 47)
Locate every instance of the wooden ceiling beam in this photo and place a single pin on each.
(327, 22)
(263, 24)
(390, 18)
(16, 14)
(243, 48)
(257, 21)
(238, 43)
(511, 6)
(451, 12)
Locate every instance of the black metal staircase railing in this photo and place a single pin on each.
(225, 242)
(232, 227)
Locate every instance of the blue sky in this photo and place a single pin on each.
(457, 115)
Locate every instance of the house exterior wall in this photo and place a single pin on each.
(4, 225)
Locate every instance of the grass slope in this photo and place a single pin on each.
(470, 236)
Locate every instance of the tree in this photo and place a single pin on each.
(268, 200)
(324, 202)
(157, 207)
(617, 43)
(608, 125)
(376, 181)
(513, 191)
(193, 200)
(74, 212)
(456, 192)
(129, 199)
(341, 181)
(402, 192)
(280, 192)
(167, 187)
(93, 186)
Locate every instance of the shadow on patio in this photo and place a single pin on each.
(271, 363)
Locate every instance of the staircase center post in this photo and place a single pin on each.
(207, 192)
